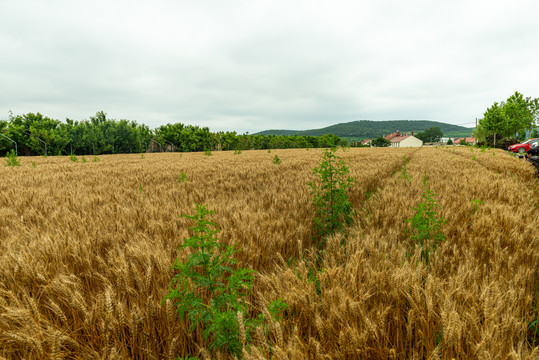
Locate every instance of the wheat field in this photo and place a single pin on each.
(86, 251)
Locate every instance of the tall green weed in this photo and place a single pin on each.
(333, 210)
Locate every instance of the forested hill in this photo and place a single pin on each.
(364, 129)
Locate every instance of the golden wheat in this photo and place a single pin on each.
(86, 251)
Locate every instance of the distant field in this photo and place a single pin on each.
(86, 250)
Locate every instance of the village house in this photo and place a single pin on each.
(404, 140)
(469, 140)
(366, 142)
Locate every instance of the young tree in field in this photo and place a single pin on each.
(331, 196)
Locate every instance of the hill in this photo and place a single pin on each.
(363, 129)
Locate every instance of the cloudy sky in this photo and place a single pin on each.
(250, 65)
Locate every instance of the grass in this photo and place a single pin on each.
(85, 259)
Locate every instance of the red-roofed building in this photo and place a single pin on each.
(391, 136)
(405, 141)
(366, 142)
(469, 140)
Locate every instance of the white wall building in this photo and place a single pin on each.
(406, 141)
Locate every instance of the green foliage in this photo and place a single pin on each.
(424, 226)
(209, 289)
(73, 158)
(333, 210)
(380, 142)
(142, 156)
(183, 177)
(450, 141)
(237, 152)
(475, 204)
(12, 159)
(515, 115)
(404, 173)
(34, 165)
(96, 159)
(533, 327)
(277, 160)
(474, 158)
(277, 308)
(494, 121)
(432, 134)
(207, 152)
(83, 159)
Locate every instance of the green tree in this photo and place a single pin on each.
(432, 134)
(519, 114)
(380, 142)
(494, 121)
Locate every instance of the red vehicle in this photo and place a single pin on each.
(522, 148)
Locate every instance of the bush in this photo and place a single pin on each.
(12, 159)
(182, 177)
(380, 142)
(501, 142)
(330, 196)
(425, 224)
(209, 289)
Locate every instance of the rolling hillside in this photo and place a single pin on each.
(364, 129)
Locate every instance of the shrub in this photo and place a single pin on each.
(209, 289)
(207, 152)
(425, 224)
(73, 158)
(333, 210)
(12, 159)
(380, 142)
(276, 160)
(404, 175)
(182, 177)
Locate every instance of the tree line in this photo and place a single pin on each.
(36, 134)
(505, 122)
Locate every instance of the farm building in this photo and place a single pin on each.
(404, 140)
(366, 142)
(469, 140)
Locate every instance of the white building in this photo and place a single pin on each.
(406, 141)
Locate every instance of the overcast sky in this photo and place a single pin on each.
(251, 65)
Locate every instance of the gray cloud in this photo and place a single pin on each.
(249, 66)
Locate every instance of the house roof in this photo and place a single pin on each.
(366, 141)
(398, 139)
(391, 136)
(469, 140)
